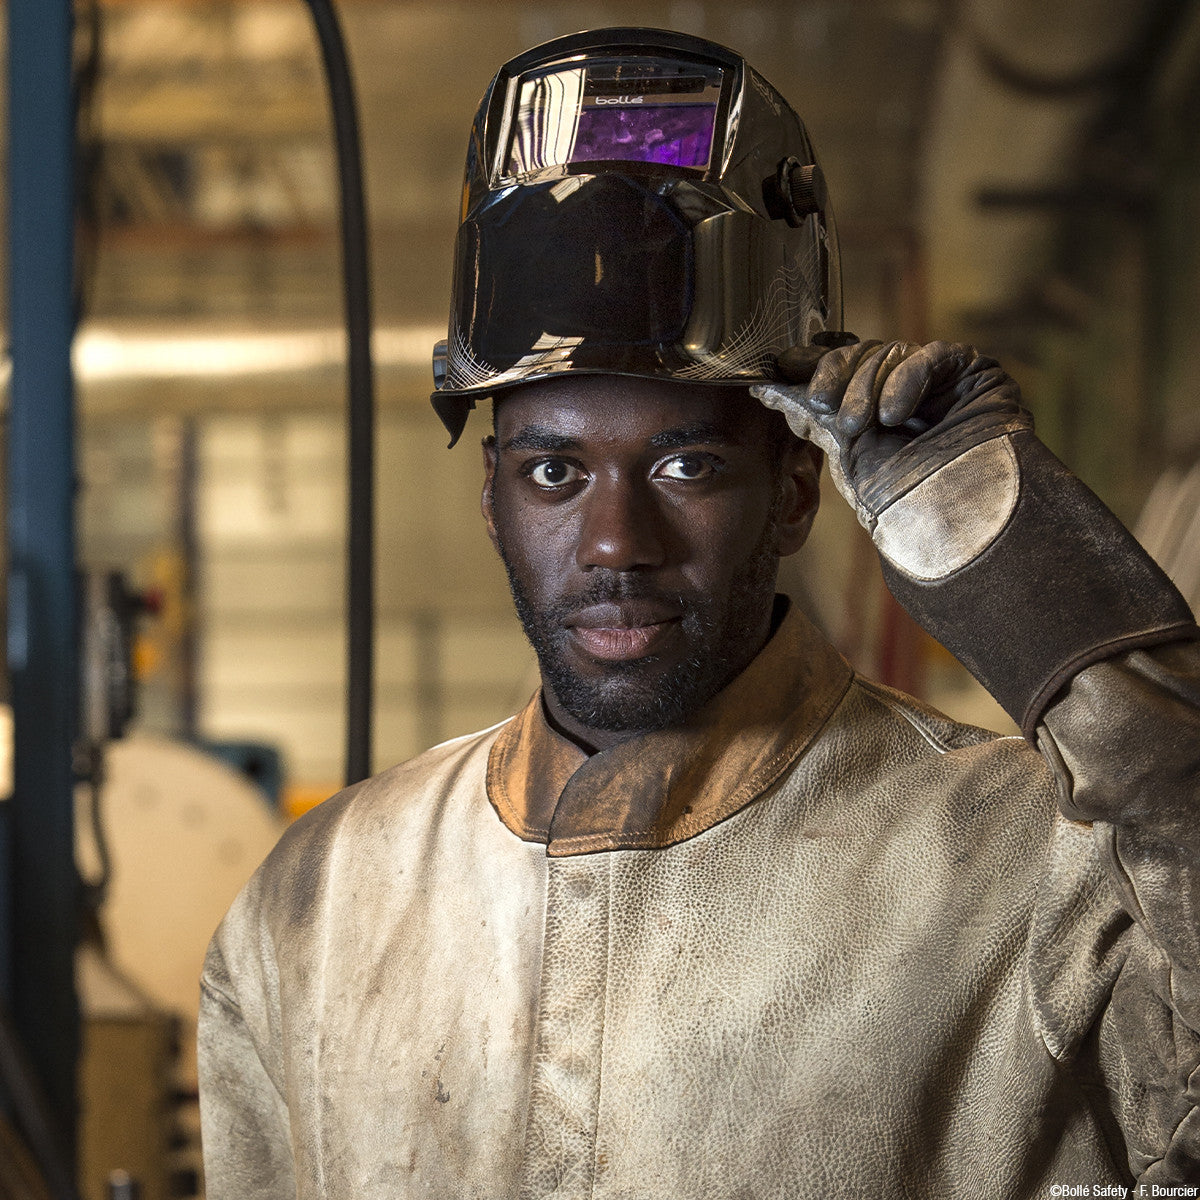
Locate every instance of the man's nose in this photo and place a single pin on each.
(622, 528)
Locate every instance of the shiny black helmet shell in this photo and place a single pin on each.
(701, 273)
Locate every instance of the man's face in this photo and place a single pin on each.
(641, 523)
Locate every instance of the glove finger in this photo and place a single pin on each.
(803, 421)
(859, 404)
(912, 391)
(833, 371)
(789, 400)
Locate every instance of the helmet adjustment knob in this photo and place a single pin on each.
(807, 186)
(795, 191)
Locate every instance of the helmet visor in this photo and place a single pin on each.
(659, 110)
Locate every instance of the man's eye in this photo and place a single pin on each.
(686, 466)
(554, 473)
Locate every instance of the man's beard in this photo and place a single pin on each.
(722, 635)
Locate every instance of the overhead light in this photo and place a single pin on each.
(103, 353)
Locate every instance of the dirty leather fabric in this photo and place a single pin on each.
(897, 970)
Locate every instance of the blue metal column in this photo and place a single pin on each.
(40, 884)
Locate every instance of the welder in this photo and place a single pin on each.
(714, 916)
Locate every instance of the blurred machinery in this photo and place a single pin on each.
(166, 833)
(165, 836)
(181, 832)
(35, 1154)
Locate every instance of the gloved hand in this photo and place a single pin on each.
(986, 538)
(889, 416)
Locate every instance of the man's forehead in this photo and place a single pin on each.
(661, 413)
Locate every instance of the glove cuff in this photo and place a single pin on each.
(1063, 585)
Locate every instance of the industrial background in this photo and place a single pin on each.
(1021, 175)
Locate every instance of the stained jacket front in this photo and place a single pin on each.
(822, 942)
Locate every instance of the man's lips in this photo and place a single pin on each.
(620, 632)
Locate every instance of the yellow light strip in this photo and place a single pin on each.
(103, 353)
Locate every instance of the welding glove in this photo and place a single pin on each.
(990, 543)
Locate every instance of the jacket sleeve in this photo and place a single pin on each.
(1123, 740)
(244, 1116)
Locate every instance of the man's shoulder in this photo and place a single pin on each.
(366, 827)
(457, 763)
(894, 744)
(943, 734)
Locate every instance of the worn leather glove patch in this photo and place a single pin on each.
(953, 515)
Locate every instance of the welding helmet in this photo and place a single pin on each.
(635, 202)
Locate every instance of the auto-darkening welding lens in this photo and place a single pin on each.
(680, 135)
(615, 110)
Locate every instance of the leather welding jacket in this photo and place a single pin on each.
(822, 942)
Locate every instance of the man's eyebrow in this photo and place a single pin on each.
(538, 437)
(690, 435)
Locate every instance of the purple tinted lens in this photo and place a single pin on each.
(678, 134)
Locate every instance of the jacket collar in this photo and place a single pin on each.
(664, 787)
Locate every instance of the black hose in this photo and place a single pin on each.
(360, 597)
(27, 1101)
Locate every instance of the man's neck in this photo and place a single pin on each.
(589, 740)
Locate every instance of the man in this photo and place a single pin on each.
(713, 917)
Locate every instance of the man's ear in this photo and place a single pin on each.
(802, 483)
(487, 499)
